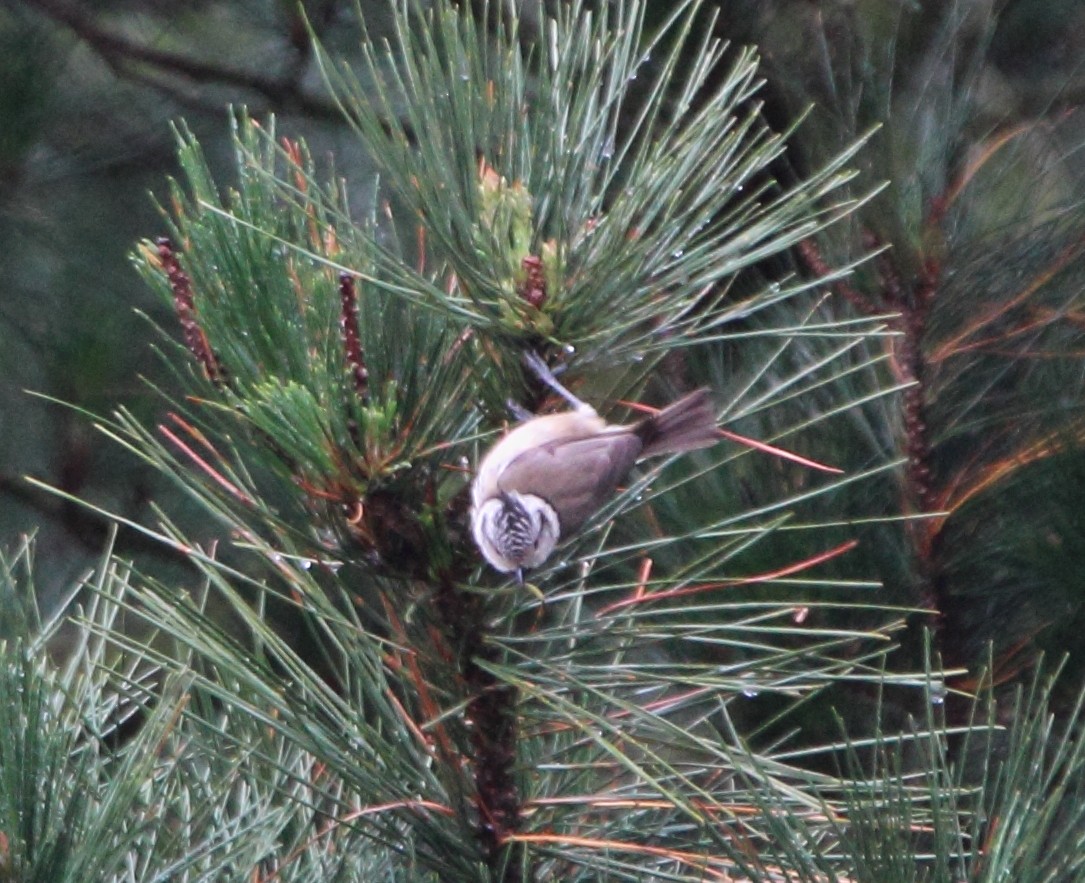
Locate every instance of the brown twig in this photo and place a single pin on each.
(532, 288)
(493, 728)
(121, 52)
(912, 302)
(184, 303)
(914, 307)
(811, 256)
(352, 343)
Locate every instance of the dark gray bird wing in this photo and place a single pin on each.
(576, 476)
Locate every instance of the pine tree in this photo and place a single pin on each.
(654, 705)
(979, 237)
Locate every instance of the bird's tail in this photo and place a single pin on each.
(685, 425)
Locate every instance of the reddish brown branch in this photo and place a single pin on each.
(121, 53)
(533, 286)
(184, 303)
(915, 313)
(352, 342)
(492, 725)
(811, 256)
(912, 302)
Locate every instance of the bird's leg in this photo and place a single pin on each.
(518, 411)
(543, 372)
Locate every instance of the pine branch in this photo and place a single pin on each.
(647, 708)
(985, 355)
(304, 312)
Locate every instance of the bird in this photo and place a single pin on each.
(540, 483)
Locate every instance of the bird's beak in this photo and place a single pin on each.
(519, 576)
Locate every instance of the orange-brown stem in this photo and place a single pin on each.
(184, 303)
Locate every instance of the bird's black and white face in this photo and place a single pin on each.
(515, 531)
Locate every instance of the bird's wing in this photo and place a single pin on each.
(576, 476)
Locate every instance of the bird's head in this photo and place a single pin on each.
(515, 531)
